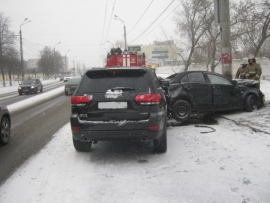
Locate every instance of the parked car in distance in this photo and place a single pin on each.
(124, 103)
(30, 85)
(71, 85)
(67, 77)
(61, 77)
(201, 92)
(5, 125)
(18, 79)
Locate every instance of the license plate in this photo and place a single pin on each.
(112, 105)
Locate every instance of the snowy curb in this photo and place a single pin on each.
(18, 106)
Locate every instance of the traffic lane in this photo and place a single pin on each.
(13, 96)
(31, 130)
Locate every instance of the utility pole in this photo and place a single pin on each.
(21, 48)
(125, 35)
(55, 68)
(66, 61)
(74, 64)
(226, 56)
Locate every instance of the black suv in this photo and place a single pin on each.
(30, 85)
(125, 103)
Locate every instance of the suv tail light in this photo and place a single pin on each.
(73, 128)
(147, 99)
(153, 127)
(80, 100)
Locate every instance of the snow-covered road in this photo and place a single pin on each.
(229, 165)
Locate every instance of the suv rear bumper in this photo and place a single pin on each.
(125, 130)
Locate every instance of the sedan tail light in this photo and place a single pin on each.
(148, 99)
(80, 100)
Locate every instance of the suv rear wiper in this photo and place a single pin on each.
(123, 88)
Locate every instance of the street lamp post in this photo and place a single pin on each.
(66, 61)
(21, 48)
(74, 64)
(125, 36)
(111, 43)
(54, 60)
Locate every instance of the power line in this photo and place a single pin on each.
(103, 26)
(104, 22)
(161, 21)
(153, 22)
(110, 21)
(141, 16)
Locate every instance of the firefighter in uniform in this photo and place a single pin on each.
(240, 73)
(253, 70)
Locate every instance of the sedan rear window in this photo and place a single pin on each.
(217, 80)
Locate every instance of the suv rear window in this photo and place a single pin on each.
(102, 80)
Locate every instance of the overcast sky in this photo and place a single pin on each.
(84, 26)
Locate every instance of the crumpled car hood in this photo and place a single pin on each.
(246, 82)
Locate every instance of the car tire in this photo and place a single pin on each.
(5, 131)
(181, 110)
(251, 103)
(41, 90)
(160, 145)
(66, 93)
(82, 146)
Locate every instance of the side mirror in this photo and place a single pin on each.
(164, 83)
(234, 83)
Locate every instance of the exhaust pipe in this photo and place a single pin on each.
(144, 139)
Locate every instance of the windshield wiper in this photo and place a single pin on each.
(122, 88)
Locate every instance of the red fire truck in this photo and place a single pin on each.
(117, 58)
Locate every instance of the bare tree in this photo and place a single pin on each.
(7, 38)
(191, 26)
(11, 61)
(46, 61)
(59, 65)
(120, 44)
(255, 23)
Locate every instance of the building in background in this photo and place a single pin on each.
(160, 52)
(31, 67)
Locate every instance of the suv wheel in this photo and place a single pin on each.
(251, 103)
(160, 145)
(5, 131)
(41, 89)
(181, 110)
(82, 146)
